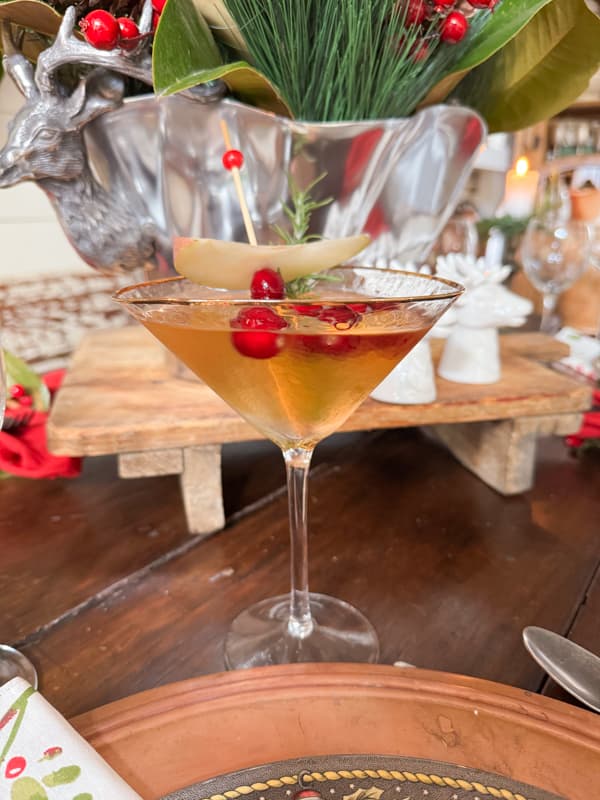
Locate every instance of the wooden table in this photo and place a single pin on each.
(105, 590)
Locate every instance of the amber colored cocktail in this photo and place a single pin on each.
(295, 369)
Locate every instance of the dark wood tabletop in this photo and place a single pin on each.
(106, 592)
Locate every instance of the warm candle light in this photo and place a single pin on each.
(521, 188)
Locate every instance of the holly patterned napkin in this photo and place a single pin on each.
(43, 758)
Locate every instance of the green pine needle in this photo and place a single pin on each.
(336, 60)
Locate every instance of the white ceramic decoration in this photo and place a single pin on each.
(472, 352)
(412, 381)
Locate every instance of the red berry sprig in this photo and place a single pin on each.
(129, 33)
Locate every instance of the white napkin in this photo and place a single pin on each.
(43, 758)
(585, 352)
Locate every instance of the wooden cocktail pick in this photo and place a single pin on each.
(233, 161)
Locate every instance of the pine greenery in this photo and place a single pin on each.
(335, 60)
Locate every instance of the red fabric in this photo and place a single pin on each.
(24, 452)
(590, 429)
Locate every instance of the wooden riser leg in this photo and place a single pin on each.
(199, 470)
(502, 453)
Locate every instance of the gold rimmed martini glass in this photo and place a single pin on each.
(295, 369)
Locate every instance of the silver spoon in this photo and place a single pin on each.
(571, 666)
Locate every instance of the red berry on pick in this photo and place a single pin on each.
(158, 5)
(267, 284)
(416, 12)
(454, 28)
(129, 30)
(17, 391)
(259, 339)
(100, 29)
(233, 159)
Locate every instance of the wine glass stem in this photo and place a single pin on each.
(549, 300)
(297, 463)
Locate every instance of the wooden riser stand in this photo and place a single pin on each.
(123, 396)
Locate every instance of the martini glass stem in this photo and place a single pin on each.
(297, 463)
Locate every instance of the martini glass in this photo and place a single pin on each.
(296, 377)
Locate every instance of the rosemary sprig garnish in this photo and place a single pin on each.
(302, 286)
(300, 211)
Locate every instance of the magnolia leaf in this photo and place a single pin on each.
(540, 71)
(196, 59)
(222, 24)
(17, 371)
(505, 22)
(32, 14)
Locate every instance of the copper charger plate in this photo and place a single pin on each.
(348, 718)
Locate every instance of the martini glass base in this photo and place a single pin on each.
(259, 636)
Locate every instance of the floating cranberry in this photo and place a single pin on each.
(129, 33)
(329, 344)
(15, 767)
(308, 310)
(341, 317)
(360, 308)
(259, 338)
(267, 284)
(17, 391)
(233, 159)
(100, 29)
(454, 28)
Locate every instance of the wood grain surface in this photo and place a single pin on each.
(121, 396)
(105, 591)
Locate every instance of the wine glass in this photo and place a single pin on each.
(554, 254)
(13, 664)
(296, 378)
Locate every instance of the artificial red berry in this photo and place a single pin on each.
(454, 28)
(259, 338)
(233, 159)
(17, 391)
(158, 5)
(419, 51)
(341, 317)
(15, 767)
(441, 5)
(155, 20)
(100, 29)
(26, 400)
(267, 284)
(129, 31)
(483, 3)
(415, 13)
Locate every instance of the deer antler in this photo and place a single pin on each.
(68, 49)
(15, 63)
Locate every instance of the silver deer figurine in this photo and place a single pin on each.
(110, 229)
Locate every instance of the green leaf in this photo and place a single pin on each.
(31, 14)
(62, 776)
(542, 70)
(27, 789)
(17, 371)
(222, 24)
(196, 60)
(505, 22)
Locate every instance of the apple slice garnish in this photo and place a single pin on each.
(231, 265)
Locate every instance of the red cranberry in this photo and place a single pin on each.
(100, 29)
(26, 400)
(257, 339)
(341, 317)
(309, 310)
(416, 12)
(267, 284)
(17, 391)
(129, 33)
(329, 344)
(454, 28)
(360, 308)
